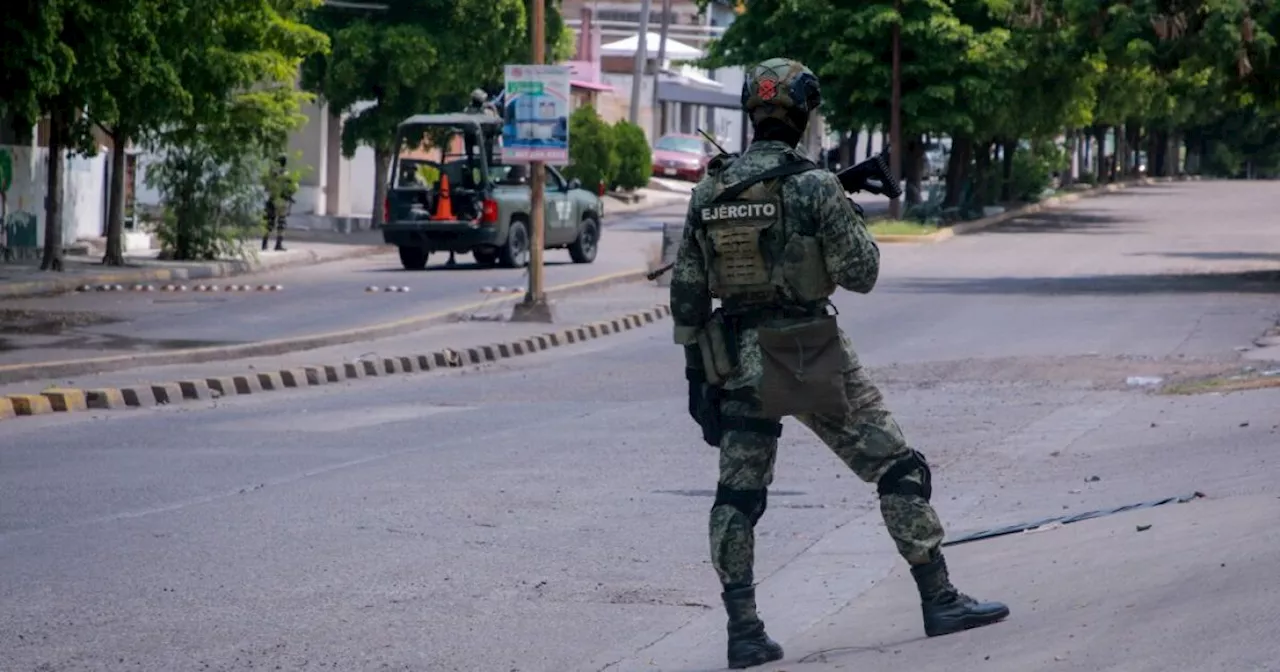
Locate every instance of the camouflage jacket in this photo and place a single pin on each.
(814, 201)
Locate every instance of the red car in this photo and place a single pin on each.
(679, 155)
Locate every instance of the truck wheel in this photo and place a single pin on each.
(583, 250)
(413, 258)
(515, 253)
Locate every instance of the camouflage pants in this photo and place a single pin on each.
(868, 440)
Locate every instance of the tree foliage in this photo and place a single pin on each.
(239, 68)
(210, 83)
(999, 78)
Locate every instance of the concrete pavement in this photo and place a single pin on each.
(1184, 586)
(550, 513)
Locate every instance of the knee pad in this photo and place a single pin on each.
(894, 481)
(751, 503)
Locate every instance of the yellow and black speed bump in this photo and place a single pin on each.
(61, 400)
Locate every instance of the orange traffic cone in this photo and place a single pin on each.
(444, 204)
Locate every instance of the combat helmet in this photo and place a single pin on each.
(780, 88)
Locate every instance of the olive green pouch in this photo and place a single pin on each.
(802, 368)
(716, 359)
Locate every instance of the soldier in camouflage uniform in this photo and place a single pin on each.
(772, 237)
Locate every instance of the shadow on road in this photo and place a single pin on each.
(1252, 282)
(1214, 256)
(1067, 221)
(461, 266)
(361, 237)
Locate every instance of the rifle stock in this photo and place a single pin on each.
(872, 176)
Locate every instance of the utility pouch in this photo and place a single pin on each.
(713, 343)
(802, 369)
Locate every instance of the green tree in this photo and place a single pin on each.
(403, 65)
(41, 44)
(134, 88)
(238, 64)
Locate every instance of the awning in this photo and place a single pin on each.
(590, 86)
(675, 92)
(676, 51)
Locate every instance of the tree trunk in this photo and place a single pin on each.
(1120, 154)
(381, 166)
(1073, 163)
(52, 260)
(1100, 154)
(1007, 148)
(913, 169)
(982, 174)
(115, 208)
(845, 150)
(1160, 150)
(957, 170)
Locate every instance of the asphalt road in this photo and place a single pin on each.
(315, 299)
(550, 513)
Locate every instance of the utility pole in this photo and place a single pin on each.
(535, 307)
(662, 55)
(642, 47)
(895, 112)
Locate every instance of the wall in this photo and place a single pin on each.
(728, 123)
(307, 152)
(84, 209)
(357, 182)
(618, 104)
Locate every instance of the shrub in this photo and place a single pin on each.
(635, 159)
(593, 155)
(1033, 169)
(212, 203)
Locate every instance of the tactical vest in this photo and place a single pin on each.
(748, 262)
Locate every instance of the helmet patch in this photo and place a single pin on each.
(768, 89)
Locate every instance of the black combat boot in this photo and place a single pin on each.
(947, 610)
(748, 643)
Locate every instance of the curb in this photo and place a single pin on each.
(1053, 202)
(217, 269)
(15, 373)
(62, 400)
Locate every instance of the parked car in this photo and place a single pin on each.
(681, 156)
(487, 213)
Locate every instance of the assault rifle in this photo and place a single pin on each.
(872, 176)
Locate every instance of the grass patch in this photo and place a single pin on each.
(1222, 384)
(888, 227)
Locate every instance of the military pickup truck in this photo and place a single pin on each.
(487, 212)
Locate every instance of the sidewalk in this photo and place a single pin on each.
(25, 279)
